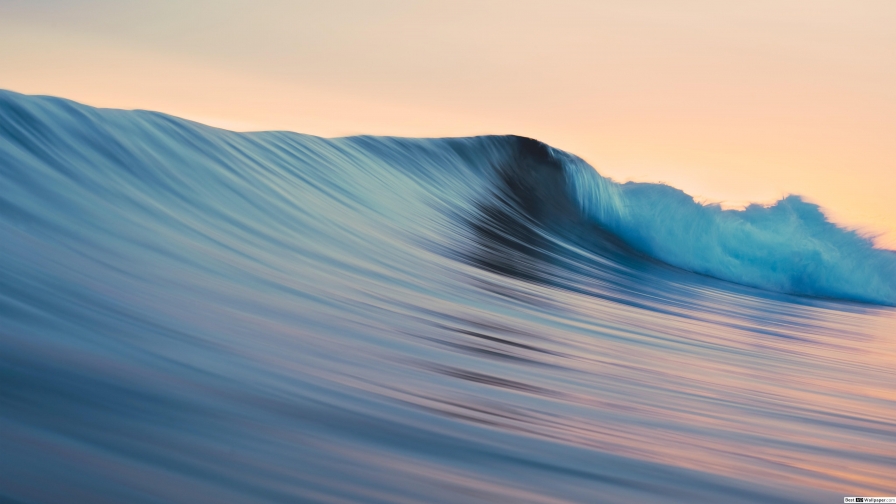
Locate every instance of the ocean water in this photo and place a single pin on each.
(194, 315)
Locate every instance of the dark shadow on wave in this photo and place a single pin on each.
(532, 230)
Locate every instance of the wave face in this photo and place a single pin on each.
(195, 315)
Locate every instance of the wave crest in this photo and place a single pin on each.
(788, 247)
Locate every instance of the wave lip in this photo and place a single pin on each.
(788, 247)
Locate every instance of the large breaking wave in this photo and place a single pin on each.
(787, 247)
(189, 314)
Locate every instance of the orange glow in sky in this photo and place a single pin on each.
(730, 101)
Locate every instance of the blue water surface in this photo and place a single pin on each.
(194, 315)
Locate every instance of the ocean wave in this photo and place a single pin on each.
(789, 247)
(189, 314)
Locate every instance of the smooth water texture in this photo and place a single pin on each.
(194, 315)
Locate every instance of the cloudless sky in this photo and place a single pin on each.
(731, 101)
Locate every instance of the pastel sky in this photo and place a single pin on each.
(731, 101)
